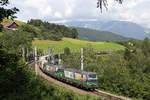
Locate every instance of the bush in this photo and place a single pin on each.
(67, 51)
(128, 77)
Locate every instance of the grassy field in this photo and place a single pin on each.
(16, 21)
(75, 45)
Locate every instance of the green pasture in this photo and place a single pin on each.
(75, 45)
(16, 21)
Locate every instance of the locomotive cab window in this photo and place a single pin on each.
(92, 76)
(60, 70)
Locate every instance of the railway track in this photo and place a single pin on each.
(97, 93)
(108, 96)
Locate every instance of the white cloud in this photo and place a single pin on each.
(42, 7)
(131, 10)
(59, 21)
(69, 5)
(47, 11)
(57, 15)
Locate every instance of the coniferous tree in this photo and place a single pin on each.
(75, 33)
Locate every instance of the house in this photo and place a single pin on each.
(10, 25)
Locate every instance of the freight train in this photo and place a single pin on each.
(78, 78)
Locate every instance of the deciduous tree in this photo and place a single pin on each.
(7, 13)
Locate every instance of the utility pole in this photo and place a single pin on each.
(36, 66)
(23, 54)
(33, 53)
(53, 56)
(27, 54)
(82, 59)
(59, 59)
(49, 54)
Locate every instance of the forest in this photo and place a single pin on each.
(124, 73)
(50, 31)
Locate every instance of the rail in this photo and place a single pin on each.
(98, 93)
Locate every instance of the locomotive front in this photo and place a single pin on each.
(92, 80)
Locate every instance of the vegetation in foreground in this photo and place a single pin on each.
(76, 45)
(125, 73)
(18, 81)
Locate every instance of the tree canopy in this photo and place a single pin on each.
(51, 31)
(8, 13)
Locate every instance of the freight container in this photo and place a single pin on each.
(69, 73)
(52, 69)
(84, 78)
(78, 76)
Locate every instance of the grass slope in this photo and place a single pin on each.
(75, 45)
(16, 21)
(96, 35)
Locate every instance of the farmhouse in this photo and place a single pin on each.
(10, 25)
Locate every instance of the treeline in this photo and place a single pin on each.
(51, 31)
(125, 73)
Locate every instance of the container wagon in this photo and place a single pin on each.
(78, 78)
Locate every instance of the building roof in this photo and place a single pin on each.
(7, 24)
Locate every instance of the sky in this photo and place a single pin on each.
(60, 11)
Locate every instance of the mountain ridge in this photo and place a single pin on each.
(96, 35)
(123, 28)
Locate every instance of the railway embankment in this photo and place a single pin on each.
(97, 93)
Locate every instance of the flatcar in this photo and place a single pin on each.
(78, 78)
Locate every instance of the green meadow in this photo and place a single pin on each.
(16, 21)
(75, 45)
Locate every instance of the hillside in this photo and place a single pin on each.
(75, 45)
(123, 28)
(16, 21)
(45, 30)
(96, 35)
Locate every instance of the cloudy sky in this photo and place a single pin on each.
(137, 11)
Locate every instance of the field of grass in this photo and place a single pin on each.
(75, 45)
(16, 21)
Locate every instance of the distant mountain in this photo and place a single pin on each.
(123, 28)
(86, 24)
(147, 31)
(96, 35)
